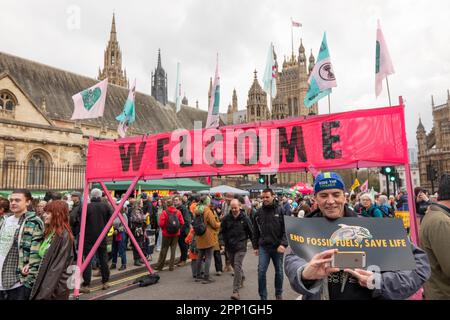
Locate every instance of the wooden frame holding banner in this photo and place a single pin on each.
(355, 139)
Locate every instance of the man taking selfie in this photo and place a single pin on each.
(317, 280)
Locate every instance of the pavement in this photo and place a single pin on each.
(179, 284)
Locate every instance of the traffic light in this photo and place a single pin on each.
(262, 179)
(387, 170)
(393, 178)
(273, 179)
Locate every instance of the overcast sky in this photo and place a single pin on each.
(191, 32)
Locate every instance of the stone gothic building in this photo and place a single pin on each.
(112, 67)
(434, 147)
(40, 147)
(292, 85)
(159, 83)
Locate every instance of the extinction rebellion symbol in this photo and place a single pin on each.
(326, 72)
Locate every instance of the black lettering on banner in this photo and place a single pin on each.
(217, 162)
(183, 161)
(246, 139)
(126, 156)
(296, 143)
(328, 140)
(161, 153)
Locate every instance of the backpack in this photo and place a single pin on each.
(137, 215)
(387, 213)
(173, 224)
(199, 225)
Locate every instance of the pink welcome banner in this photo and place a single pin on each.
(362, 138)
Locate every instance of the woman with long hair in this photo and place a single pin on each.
(57, 254)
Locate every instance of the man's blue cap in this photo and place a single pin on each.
(328, 180)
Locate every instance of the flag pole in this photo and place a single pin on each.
(292, 39)
(389, 93)
(271, 83)
(329, 104)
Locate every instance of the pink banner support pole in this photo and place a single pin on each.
(412, 206)
(108, 225)
(128, 230)
(411, 201)
(78, 271)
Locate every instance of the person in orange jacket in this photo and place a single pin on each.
(191, 241)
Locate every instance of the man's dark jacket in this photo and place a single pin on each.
(98, 214)
(236, 231)
(268, 226)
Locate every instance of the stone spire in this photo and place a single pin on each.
(257, 109)
(113, 36)
(112, 64)
(234, 104)
(159, 82)
(312, 62)
(159, 59)
(420, 127)
(185, 100)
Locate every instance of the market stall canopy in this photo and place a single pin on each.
(224, 189)
(181, 184)
(302, 188)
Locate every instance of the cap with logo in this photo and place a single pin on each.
(328, 180)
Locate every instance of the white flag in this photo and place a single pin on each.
(213, 109)
(178, 90)
(383, 62)
(90, 103)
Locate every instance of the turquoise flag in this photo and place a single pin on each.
(270, 74)
(322, 77)
(128, 114)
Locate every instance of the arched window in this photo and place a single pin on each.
(7, 101)
(290, 106)
(37, 169)
(258, 112)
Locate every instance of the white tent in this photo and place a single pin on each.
(223, 189)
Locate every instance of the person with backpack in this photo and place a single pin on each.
(369, 208)
(137, 227)
(184, 230)
(171, 222)
(191, 241)
(205, 227)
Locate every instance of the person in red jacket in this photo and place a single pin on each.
(171, 221)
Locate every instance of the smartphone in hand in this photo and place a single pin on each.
(349, 260)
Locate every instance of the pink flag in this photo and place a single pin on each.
(365, 186)
(296, 24)
(383, 62)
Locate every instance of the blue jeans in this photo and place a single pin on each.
(119, 247)
(265, 254)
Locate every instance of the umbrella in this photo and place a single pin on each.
(225, 189)
(302, 188)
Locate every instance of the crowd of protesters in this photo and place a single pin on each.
(39, 239)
